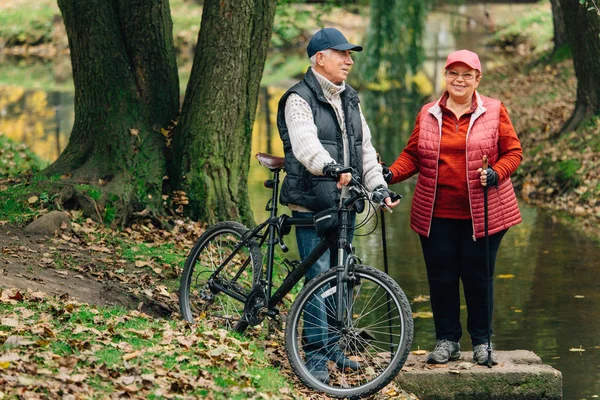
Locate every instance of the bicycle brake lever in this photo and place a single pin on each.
(385, 206)
(283, 246)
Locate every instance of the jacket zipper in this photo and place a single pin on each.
(473, 118)
(437, 166)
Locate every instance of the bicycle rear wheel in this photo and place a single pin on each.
(206, 294)
(367, 351)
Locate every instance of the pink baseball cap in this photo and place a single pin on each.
(465, 57)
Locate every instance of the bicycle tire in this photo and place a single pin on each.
(365, 340)
(197, 299)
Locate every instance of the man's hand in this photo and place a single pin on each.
(488, 177)
(345, 179)
(333, 171)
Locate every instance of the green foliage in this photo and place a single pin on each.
(29, 24)
(110, 213)
(290, 24)
(17, 159)
(590, 5)
(535, 29)
(109, 356)
(567, 173)
(393, 46)
(14, 206)
(164, 253)
(279, 67)
(560, 54)
(294, 22)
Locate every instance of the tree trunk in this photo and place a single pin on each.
(126, 89)
(560, 34)
(211, 147)
(583, 31)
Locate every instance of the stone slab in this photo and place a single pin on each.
(519, 375)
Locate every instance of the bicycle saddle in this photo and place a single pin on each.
(269, 161)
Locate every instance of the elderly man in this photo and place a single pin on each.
(322, 128)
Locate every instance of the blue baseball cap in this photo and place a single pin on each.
(329, 38)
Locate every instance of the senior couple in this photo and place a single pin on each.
(323, 128)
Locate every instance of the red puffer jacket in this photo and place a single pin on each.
(482, 139)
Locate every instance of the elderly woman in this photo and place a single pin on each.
(446, 148)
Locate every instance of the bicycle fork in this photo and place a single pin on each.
(345, 275)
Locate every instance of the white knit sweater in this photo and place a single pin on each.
(306, 145)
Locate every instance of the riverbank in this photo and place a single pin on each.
(559, 171)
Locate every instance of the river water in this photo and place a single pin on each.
(547, 278)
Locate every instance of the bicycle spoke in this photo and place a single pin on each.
(371, 342)
(206, 281)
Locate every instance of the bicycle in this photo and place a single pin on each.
(369, 319)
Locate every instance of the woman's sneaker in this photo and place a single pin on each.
(445, 350)
(480, 355)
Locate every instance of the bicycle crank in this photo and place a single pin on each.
(255, 309)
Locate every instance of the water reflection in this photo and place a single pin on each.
(40, 119)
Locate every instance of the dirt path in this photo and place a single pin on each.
(27, 263)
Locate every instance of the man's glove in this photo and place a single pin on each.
(387, 174)
(492, 177)
(333, 170)
(379, 194)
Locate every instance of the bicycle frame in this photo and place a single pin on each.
(273, 237)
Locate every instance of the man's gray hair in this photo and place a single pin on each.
(313, 59)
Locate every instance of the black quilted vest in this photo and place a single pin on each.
(300, 187)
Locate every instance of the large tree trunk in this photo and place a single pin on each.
(583, 31)
(126, 89)
(211, 147)
(560, 33)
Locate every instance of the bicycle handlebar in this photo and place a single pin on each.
(360, 192)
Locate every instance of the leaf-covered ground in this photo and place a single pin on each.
(92, 313)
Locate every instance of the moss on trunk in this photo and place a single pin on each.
(126, 89)
(211, 146)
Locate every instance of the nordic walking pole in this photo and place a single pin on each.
(487, 266)
(385, 266)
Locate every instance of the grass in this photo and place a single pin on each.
(17, 158)
(107, 339)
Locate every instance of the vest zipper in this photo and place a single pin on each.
(467, 172)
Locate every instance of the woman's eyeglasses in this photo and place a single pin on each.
(467, 76)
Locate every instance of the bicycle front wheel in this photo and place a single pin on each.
(362, 354)
(203, 293)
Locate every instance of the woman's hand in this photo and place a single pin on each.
(488, 176)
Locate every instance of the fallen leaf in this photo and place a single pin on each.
(12, 322)
(423, 314)
(129, 356)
